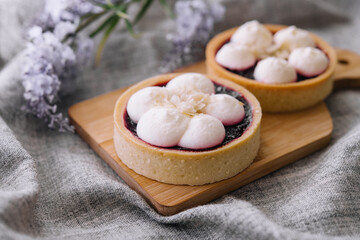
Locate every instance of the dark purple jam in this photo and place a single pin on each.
(231, 132)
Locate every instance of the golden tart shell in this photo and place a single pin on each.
(185, 167)
(277, 97)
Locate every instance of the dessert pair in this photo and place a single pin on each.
(195, 129)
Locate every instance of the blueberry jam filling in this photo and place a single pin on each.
(231, 132)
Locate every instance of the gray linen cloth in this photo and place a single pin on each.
(53, 186)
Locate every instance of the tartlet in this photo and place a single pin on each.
(285, 97)
(181, 166)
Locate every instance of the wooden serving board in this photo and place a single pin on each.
(285, 138)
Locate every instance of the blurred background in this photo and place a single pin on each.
(321, 16)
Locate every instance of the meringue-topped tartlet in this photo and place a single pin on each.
(291, 72)
(187, 128)
(185, 113)
(252, 43)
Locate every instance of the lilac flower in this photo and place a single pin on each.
(194, 22)
(62, 29)
(57, 11)
(51, 63)
(81, 7)
(44, 60)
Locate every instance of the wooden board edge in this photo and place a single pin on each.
(168, 210)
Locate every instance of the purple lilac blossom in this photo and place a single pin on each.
(56, 11)
(46, 58)
(194, 23)
(51, 63)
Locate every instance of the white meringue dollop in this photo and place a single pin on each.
(162, 126)
(191, 82)
(274, 70)
(308, 61)
(235, 57)
(253, 35)
(292, 37)
(226, 108)
(140, 102)
(203, 132)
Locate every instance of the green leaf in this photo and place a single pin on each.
(110, 27)
(122, 14)
(130, 29)
(103, 6)
(120, 10)
(85, 16)
(103, 25)
(167, 8)
(142, 11)
(83, 24)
